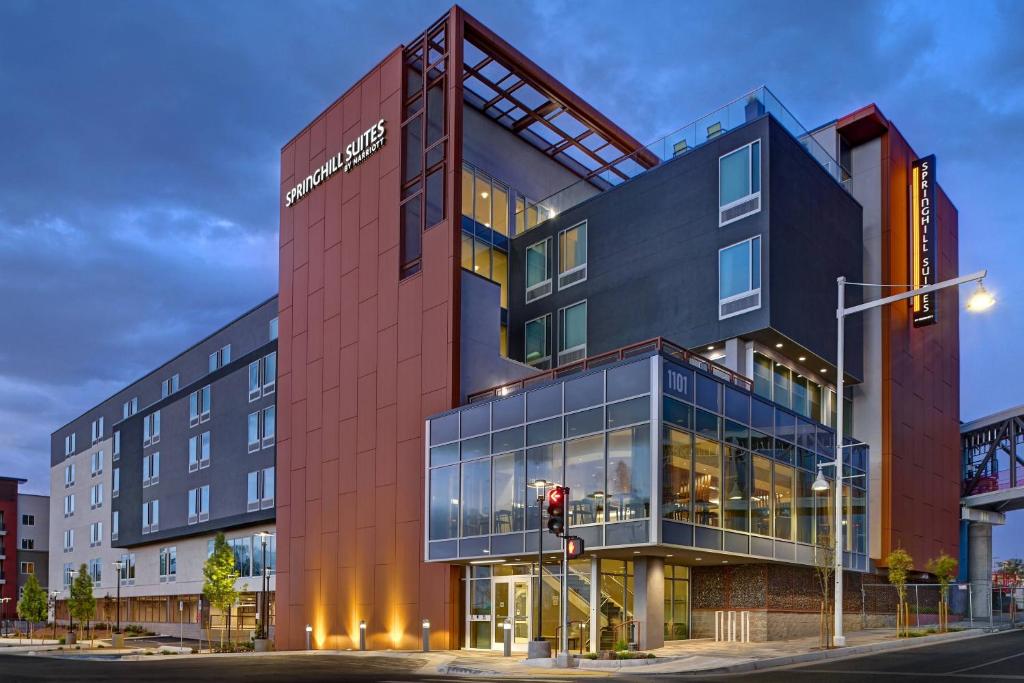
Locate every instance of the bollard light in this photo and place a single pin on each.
(362, 634)
(426, 635)
(309, 637)
(508, 639)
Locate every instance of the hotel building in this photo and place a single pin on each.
(504, 285)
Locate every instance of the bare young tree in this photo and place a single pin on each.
(825, 569)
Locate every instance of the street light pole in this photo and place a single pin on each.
(541, 485)
(118, 564)
(979, 302)
(264, 603)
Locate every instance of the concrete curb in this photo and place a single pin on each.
(844, 653)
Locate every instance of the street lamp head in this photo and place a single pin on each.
(819, 482)
(539, 483)
(981, 300)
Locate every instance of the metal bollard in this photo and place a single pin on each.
(508, 638)
(309, 637)
(426, 635)
(362, 635)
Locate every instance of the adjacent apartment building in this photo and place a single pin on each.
(485, 282)
(148, 476)
(24, 534)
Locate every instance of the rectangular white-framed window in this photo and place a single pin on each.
(269, 425)
(262, 376)
(115, 524)
(538, 270)
(537, 342)
(199, 452)
(96, 496)
(199, 504)
(151, 469)
(220, 357)
(572, 255)
(260, 489)
(255, 385)
(96, 570)
(168, 564)
(262, 428)
(169, 385)
(69, 505)
(739, 183)
(68, 573)
(69, 475)
(69, 540)
(273, 328)
(97, 429)
(739, 278)
(199, 406)
(150, 516)
(116, 455)
(127, 569)
(151, 429)
(130, 407)
(69, 444)
(28, 520)
(28, 544)
(28, 568)
(95, 534)
(115, 483)
(572, 333)
(96, 464)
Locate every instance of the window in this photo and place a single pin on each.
(28, 520)
(115, 485)
(96, 570)
(262, 376)
(168, 564)
(115, 524)
(537, 333)
(262, 428)
(169, 386)
(69, 505)
(150, 470)
(28, 568)
(444, 502)
(538, 271)
(95, 534)
(509, 492)
(97, 429)
(96, 496)
(199, 406)
(117, 446)
(706, 481)
(68, 573)
(260, 489)
(199, 452)
(572, 255)
(677, 454)
(28, 544)
(130, 407)
(273, 328)
(199, 504)
(127, 569)
(69, 444)
(629, 474)
(69, 475)
(151, 429)
(572, 333)
(220, 358)
(739, 183)
(150, 516)
(584, 475)
(69, 540)
(97, 463)
(739, 278)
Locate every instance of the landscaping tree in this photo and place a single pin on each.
(220, 575)
(32, 606)
(944, 569)
(825, 568)
(81, 603)
(900, 564)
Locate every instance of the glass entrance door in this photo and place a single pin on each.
(512, 603)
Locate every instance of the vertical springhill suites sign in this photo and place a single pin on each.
(355, 153)
(923, 234)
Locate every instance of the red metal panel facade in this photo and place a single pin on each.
(9, 545)
(364, 358)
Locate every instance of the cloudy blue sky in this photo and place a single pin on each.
(140, 141)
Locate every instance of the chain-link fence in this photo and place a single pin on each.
(976, 604)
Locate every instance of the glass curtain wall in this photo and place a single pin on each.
(486, 216)
(786, 386)
(677, 602)
(616, 609)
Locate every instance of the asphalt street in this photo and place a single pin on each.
(995, 657)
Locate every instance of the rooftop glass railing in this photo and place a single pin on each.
(677, 143)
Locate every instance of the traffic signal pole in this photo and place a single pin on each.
(565, 586)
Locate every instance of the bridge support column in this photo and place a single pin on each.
(979, 550)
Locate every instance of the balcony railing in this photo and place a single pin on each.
(651, 346)
(682, 141)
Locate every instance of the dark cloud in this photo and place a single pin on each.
(139, 166)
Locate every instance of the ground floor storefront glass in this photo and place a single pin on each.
(506, 593)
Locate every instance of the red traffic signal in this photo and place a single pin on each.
(573, 547)
(556, 509)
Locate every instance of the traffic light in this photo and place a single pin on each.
(573, 546)
(556, 509)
